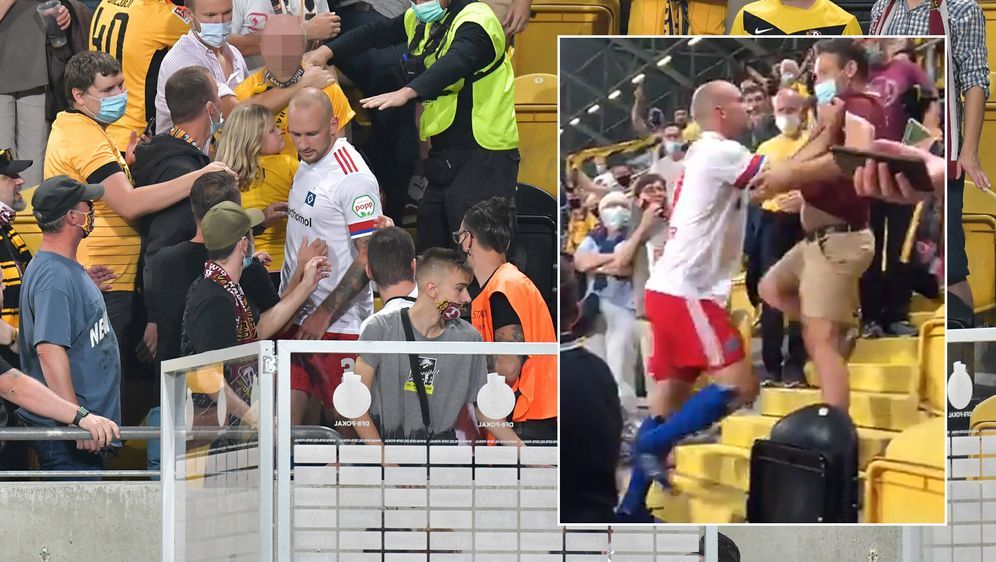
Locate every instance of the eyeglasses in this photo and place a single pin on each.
(458, 236)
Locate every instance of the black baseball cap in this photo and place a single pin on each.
(57, 195)
(11, 167)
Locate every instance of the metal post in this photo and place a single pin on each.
(912, 544)
(711, 543)
(266, 449)
(284, 499)
(171, 407)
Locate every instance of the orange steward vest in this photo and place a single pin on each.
(536, 388)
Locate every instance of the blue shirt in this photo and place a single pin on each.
(61, 305)
(616, 291)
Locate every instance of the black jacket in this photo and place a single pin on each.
(163, 159)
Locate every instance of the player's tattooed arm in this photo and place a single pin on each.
(354, 280)
(509, 366)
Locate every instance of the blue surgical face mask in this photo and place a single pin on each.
(111, 108)
(825, 91)
(221, 120)
(215, 34)
(428, 12)
(615, 218)
(247, 259)
(672, 147)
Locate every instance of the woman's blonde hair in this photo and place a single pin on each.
(242, 141)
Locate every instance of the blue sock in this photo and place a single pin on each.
(704, 408)
(633, 504)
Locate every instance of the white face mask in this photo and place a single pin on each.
(787, 124)
(615, 217)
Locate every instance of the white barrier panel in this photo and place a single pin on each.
(411, 501)
(217, 498)
(971, 493)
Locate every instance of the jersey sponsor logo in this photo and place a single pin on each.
(182, 13)
(306, 221)
(364, 206)
(309, 199)
(345, 160)
(99, 331)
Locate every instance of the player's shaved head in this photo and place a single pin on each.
(710, 95)
(719, 106)
(312, 99)
(282, 45)
(311, 124)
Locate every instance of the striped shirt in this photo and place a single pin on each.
(966, 27)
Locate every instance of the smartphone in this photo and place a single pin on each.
(915, 169)
(915, 132)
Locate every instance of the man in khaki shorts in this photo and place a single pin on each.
(817, 280)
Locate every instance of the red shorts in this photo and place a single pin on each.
(317, 374)
(690, 336)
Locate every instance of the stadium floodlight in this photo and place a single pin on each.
(693, 41)
(575, 121)
(615, 94)
(638, 78)
(593, 109)
(664, 60)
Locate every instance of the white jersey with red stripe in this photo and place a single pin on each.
(708, 220)
(336, 199)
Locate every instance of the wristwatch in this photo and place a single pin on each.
(80, 414)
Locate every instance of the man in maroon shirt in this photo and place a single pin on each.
(885, 295)
(817, 280)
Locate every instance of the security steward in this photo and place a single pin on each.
(456, 65)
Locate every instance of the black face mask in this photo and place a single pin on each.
(623, 180)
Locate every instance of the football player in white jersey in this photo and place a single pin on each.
(688, 291)
(334, 197)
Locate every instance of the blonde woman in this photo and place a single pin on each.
(253, 143)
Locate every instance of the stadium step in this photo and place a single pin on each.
(694, 501)
(715, 463)
(875, 377)
(868, 409)
(741, 431)
(919, 318)
(886, 350)
(920, 303)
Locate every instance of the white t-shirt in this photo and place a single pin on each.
(336, 199)
(668, 169)
(708, 219)
(393, 305)
(249, 16)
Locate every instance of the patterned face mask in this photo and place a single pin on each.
(449, 310)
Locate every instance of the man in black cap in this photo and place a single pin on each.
(218, 314)
(66, 340)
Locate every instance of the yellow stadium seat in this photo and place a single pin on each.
(536, 47)
(26, 225)
(907, 485)
(980, 244)
(978, 202)
(933, 375)
(209, 379)
(536, 114)
(984, 415)
(705, 17)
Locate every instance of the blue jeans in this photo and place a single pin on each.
(63, 455)
(152, 450)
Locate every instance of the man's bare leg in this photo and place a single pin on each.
(822, 340)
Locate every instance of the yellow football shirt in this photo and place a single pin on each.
(274, 186)
(80, 148)
(771, 17)
(777, 149)
(257, 84)
(138, 33)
